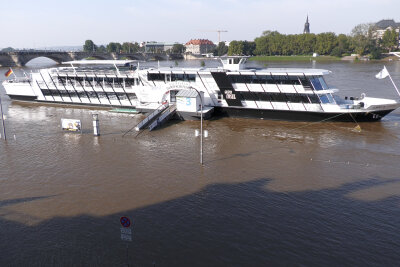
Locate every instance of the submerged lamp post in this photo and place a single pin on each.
(2, 120)
(201, 126)
(96, 129)
(201, 129)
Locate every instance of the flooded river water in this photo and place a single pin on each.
(270, 193)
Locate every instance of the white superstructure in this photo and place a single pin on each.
(289, 94)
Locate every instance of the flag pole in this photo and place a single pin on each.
(397, 90)
(13, 73)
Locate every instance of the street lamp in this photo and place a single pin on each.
(2, 120)
(201, 126)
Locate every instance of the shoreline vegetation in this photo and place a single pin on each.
(317, 59)
(295, 58)
(363, 42)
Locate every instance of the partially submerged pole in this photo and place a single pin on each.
(201, 130)
(2, 120)
(96, 128)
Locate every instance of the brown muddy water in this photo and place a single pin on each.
(269, 194)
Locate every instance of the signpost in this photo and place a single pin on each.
(126, 233)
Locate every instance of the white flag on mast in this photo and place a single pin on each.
(382, 74)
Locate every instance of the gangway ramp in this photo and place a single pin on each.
(151, 117)
(163, 117)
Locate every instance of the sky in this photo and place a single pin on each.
(49, 23)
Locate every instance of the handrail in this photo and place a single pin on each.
(157, 111)
(166, 113)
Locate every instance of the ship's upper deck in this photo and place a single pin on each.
(129, 67)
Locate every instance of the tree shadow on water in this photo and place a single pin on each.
(222, 225)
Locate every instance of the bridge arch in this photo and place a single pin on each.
(21, 58)
(41, 60)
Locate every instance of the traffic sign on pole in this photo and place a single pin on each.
(125, 222)
(126, 231)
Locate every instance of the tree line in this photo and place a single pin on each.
(127, 47)
(112, 47)
(362, 41)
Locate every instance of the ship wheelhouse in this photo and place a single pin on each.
(281, 89)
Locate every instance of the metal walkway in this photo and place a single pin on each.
(157, 118)
(151, 117)
(164, 117)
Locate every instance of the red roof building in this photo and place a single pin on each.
(199, 46)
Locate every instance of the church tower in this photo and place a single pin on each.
(306, 26)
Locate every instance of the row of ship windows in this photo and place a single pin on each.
(91, 94)
(278, 97)
(166, 77)
(268, 79)
(98, 81)
(317, 82)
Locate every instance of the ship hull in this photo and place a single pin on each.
(312, 116)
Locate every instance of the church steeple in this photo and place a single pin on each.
(306, 26)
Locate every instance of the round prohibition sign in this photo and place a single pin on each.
(125, 222)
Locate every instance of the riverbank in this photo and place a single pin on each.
(295, 58)
(317, 59)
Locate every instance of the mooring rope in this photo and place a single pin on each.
(318, 121)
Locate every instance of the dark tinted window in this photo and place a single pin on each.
(156, 77)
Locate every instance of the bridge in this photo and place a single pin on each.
(20, 58)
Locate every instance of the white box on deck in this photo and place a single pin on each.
(188, 100)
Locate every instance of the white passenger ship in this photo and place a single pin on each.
(284, 94)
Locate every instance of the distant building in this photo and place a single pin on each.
(199, 46)
(382, 26)
(306, 26)
(156, 47)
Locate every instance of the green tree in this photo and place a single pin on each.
(114, 47)
(390, 39)
(178, 49)
(236, 48)
(361, 38)
(127, 47)
(89, 46)
(249, 48)
(337, 52)
(325, 43)
(102, 49)
(262, 46)
(221, 49)
(343, 42)
(306, 43)
(376, 53)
